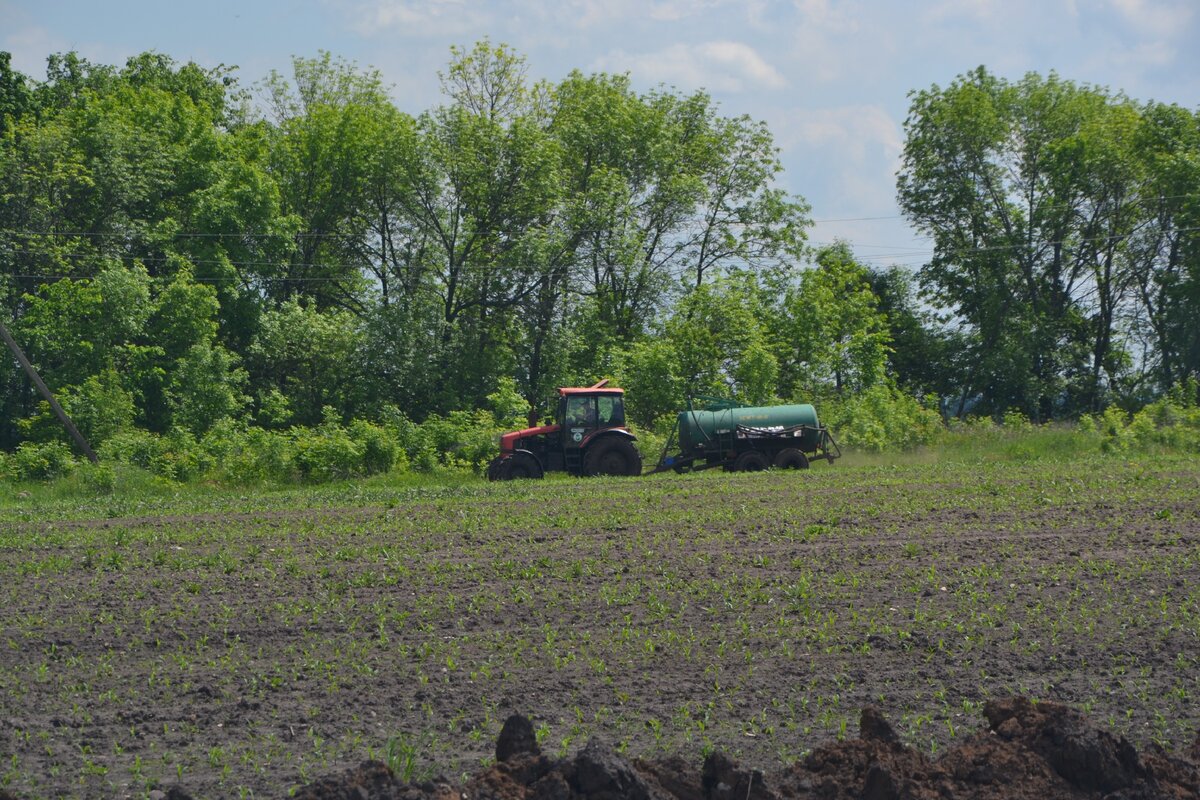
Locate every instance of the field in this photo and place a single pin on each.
(241, 644)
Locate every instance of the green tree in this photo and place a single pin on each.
(1165, 251)
(1029, 193)
(666, 193)
(322, 152)
(481, 187)
(206, 386)
(311, 358)
(834, 337)
(15, 97)
(925, 354)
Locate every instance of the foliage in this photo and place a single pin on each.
(881, 418)
(206, 387)
(509, 408)
(243, 455)
(310, 358)
(1063, 236)
(40, 461)
(1170, 424)
(836, 339)
(200, 279)
(100, 408)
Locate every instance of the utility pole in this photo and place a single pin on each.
(45, 392)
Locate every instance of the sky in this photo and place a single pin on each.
(831, 79)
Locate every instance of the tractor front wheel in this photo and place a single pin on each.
(613, 456)
(493, 468)
(519, 466)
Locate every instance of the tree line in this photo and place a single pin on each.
(177, 251)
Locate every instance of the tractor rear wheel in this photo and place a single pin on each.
(612, 456)
(750, 461)
(791, 458)
(519, 466)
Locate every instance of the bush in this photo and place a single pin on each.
(136, 447)
(881, 418)
(176, 456)
(1172, 423)
(379, 449)
(40, 461)
(460, 439)
(325, 452)
(242, 455)
(331, 451)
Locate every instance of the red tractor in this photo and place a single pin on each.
(588, 437)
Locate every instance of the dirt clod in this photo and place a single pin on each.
(517, 737)
(723, 779)
(603, 775)
(1044, 751)
(873, 727)
(1085, 756)
(170, 793)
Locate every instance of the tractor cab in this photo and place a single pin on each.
(583, 412)
(588, 437)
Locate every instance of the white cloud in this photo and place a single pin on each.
(420, 18)
(29, 48)
(972, 10)
(824, 16)
(1139, 57)
(676, 10)
(858, 133)
(722, 66)
(1155, 18)
(591, 15)
(845, 157)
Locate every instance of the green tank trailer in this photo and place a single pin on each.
(741, 438)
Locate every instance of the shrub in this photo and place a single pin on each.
(881, 418)
(460, 439)
(176, 456)
(331, 451)
(40, 461)
(241, 454)
(509, 409)
(325, 452)
(379, 449)
(1016, 422)
(1164, 424)
(135, 447)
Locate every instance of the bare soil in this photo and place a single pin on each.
(1027, 752)
(750, 616)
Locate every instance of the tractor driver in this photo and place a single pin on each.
(581, 412)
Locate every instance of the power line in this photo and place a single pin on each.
(333, 235)
(897, 252)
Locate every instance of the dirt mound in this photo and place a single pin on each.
(1045, 751)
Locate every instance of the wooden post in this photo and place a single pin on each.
(45, 392)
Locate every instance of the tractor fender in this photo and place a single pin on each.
(536, 460)
(620, 433)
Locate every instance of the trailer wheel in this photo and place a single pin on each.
(750, 461)
(791, 458)
(612, 456)
(519, 467)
